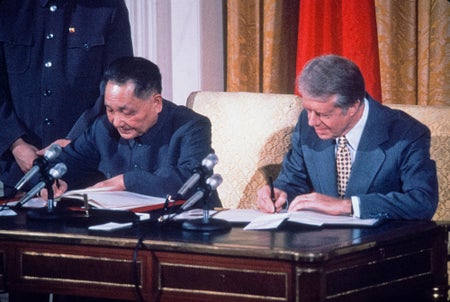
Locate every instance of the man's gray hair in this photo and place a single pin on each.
(329, 75)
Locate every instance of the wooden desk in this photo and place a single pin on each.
(296, 263)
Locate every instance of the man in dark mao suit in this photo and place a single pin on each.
(52, 56)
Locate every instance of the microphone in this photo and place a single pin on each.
(204, 170)
(39, 163)
(211, 184)
(54, 173)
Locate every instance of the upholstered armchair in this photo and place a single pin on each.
(251, 132)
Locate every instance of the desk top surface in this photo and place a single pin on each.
(291, 242)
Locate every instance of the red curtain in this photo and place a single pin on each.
(343, 27)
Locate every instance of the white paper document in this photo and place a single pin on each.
(35, 202)
(266, 222)
(112, 226)
(319, 219)
(239, 215)
(8, 212)
(263, 221)
(102, 198)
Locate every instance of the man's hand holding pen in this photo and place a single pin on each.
(272, 194)
(265, 199)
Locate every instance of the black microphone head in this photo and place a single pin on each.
(52, 152)
(210, 161)
(214, 181)
(58, 170)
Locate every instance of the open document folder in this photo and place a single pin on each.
(103, 198)
(262, 221)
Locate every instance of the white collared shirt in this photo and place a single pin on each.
(354, 135)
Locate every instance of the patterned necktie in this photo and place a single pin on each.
(343, 165)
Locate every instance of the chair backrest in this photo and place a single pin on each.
(251, 133)
(437, 118)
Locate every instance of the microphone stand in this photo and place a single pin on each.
(50, 212)
(206, 223)
(51, 198)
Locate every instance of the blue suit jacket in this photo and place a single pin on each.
(392, 174)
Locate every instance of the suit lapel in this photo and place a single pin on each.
(370, 154)
(364, 170)
(321, 162)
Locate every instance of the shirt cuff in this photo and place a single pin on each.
(355, 205)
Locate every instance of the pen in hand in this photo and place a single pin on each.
(272, 194)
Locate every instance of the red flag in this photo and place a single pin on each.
(343, 27)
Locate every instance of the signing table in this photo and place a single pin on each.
(151, 261)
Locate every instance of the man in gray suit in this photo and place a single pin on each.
(391, 175)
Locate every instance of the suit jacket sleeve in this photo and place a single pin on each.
(187, 147)
(397, 179)
(294, 178)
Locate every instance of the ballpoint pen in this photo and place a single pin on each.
(272, 194)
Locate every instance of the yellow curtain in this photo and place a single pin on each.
(414, 46)
(261, 45)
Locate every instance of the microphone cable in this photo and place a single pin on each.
(136, 271)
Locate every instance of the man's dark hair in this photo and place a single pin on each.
(143, 73)
(329, 75)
